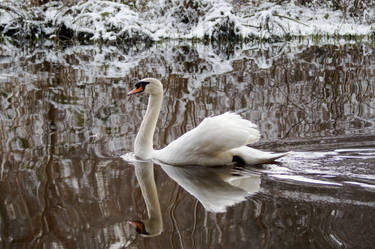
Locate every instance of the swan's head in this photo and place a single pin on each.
(139, 226)
(145, 228)
(148, 85)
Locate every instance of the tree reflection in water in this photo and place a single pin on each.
(65, 120)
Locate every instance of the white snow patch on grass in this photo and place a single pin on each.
(160, 19)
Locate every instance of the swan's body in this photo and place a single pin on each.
(218, 140)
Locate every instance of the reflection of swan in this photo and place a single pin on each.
(153, 226)
(215, 188)
(219, 140)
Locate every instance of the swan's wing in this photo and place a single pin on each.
(216, 134)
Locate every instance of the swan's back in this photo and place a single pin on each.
(209, 139)
(225, 132)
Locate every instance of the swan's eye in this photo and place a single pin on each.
(139, 87)
(142, 84)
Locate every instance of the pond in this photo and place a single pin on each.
(67, 122)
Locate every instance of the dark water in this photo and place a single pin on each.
(66, 120)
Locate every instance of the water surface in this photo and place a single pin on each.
(66, 120)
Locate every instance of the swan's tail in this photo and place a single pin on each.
(253, 156)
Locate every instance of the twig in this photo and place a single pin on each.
(292, 19)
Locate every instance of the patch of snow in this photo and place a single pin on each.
(104, 19)
(158, 20)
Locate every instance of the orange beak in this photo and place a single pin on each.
(139, 226)
(136, 90)
(135, 224)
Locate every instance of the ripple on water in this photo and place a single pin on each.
(339, 167)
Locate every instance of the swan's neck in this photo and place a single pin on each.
(145, 176)
(143, 146)
(150, 196)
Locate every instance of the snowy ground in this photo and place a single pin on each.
(173, 19)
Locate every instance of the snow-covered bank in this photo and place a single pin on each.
(157, 20)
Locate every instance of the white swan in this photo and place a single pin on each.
(218, 140)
